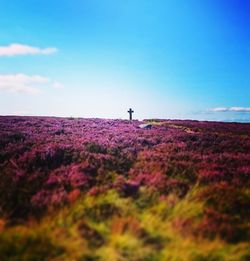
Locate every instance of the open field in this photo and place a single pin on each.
(92, 189)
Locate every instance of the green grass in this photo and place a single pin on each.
(109, 227)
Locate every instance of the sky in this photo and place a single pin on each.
(97, 58)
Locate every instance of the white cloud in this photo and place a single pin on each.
(20, 49)
(57, 85)
(240, 109)
(230, 109)
(24, 83)
(219, 109)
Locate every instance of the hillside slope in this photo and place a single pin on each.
(92, 189)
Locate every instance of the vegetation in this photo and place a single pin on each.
(90, 189)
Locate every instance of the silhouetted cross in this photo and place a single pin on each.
(130, 111)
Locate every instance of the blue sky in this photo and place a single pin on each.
(97, 58)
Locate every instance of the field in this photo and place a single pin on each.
(92, 189)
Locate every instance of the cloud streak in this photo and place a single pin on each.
(230, 109)
(20, 49)
(23, 83)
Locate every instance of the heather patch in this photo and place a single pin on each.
(88, 189)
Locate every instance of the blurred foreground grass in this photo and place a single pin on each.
(110, 227)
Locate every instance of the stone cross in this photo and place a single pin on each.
(130, 111)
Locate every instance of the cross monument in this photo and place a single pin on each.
(130, 111)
